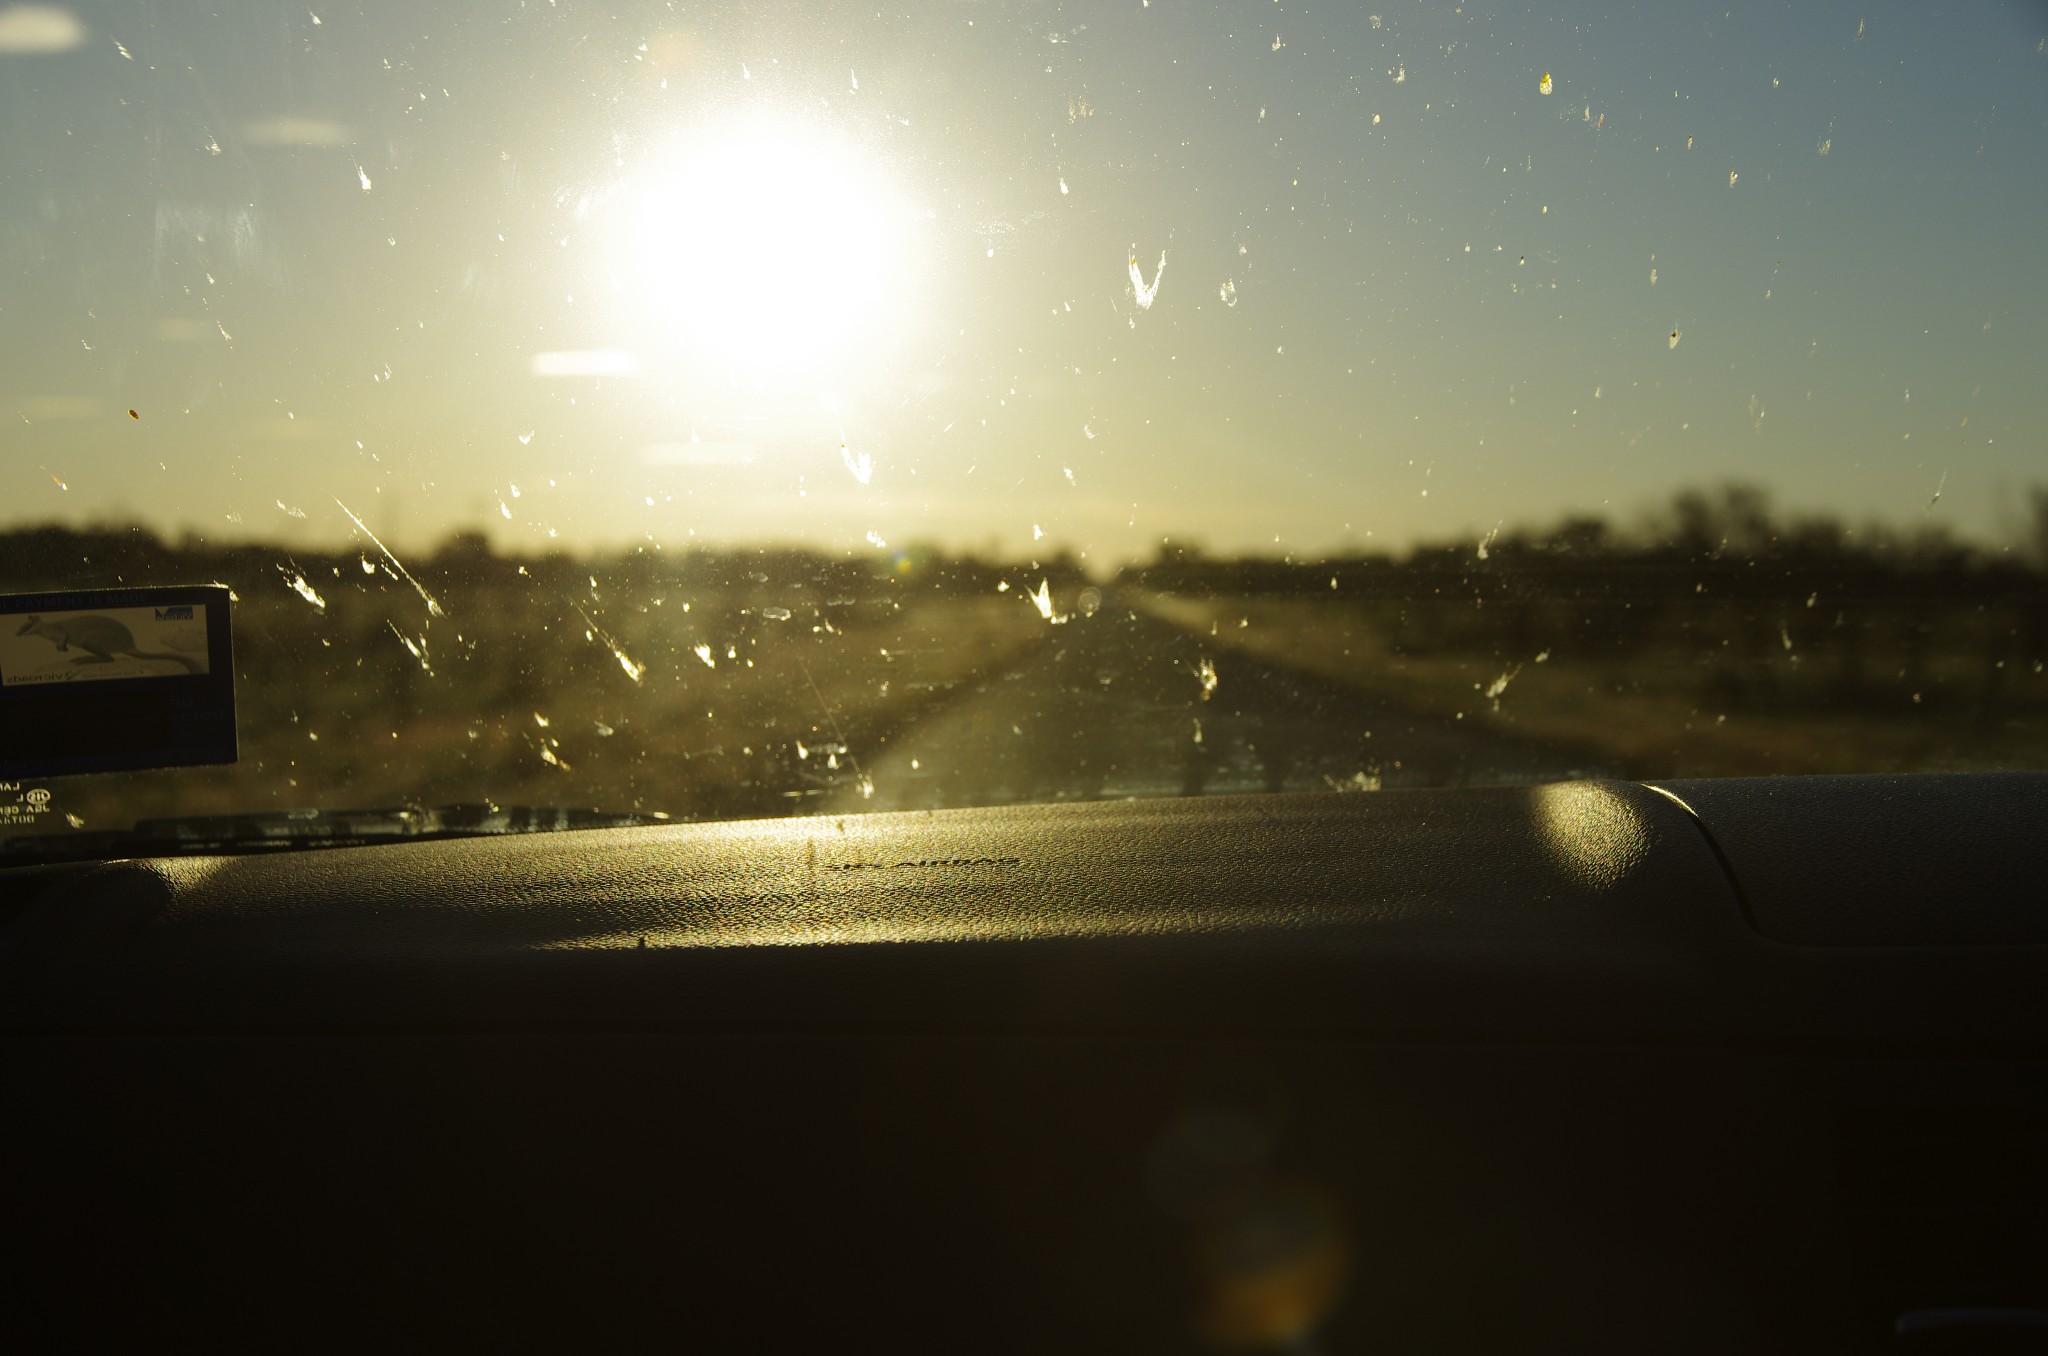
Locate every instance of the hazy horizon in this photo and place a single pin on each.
(1749, 520)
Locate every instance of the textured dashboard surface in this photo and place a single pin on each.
(1552, 909)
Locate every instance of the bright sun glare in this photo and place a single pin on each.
(770, 245)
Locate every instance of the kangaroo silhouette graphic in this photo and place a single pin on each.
(102, 638)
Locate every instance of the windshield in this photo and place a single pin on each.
(750, 410)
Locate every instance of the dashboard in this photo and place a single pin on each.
(1748, 1064)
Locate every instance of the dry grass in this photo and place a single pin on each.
(1654, 715)
(525, 703)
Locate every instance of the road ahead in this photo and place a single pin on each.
(1123, 704)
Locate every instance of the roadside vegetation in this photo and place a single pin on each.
(1712, 638)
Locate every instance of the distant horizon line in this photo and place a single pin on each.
(1645, 530)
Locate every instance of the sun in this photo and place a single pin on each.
(765, 245)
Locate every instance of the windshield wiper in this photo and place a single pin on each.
(297, 830)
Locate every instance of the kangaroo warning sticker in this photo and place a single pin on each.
(114, 642)
(115, 680)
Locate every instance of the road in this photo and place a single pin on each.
(1122, 704)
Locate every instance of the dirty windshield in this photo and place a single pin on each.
(738, 410)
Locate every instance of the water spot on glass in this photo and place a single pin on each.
(416, 648)
(859, 464)
(1145, 294)
(433, 604)
(1400, 74)
(776, 613)
(1227, 293)
(631, 669)
(296, 581)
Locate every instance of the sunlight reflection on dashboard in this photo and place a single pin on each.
(1590, 831)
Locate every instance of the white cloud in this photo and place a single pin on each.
(32, 29)
(283, 130)
(592, 362)
(283, 429)
(698, 454)
(37, 409)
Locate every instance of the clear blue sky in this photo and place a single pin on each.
(1406, 293)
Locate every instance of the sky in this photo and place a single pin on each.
(584, 276)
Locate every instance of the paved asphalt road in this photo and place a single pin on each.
(1123, 704)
